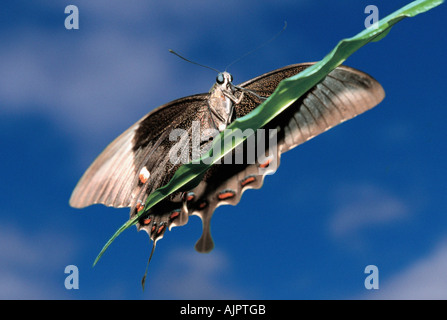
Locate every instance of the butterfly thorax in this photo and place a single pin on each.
(222, 100)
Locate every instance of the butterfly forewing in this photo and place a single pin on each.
(113, 178)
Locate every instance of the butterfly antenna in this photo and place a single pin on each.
(262, 45)
(143, 281)
(181, 57)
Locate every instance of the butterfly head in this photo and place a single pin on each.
(224, 79)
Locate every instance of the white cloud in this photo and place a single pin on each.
(32, 265)
(364, 205)
(104, 76)
(191, 275)
(15, 287)
(426, 278)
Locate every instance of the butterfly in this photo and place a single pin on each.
(138, 162)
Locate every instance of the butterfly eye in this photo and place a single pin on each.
(220, 78)
(231, 78)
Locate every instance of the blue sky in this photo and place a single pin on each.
(370, 191)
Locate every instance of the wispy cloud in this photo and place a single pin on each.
(426, 278)
(76, 90)
(32, 265)
(190, 275)
(364, 205)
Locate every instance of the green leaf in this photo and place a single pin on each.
(287, 92)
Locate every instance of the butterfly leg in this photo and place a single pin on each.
(233, 98)
(236, 101)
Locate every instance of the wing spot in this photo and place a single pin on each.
(147, 220)
(174, 214)
(226, 194)
(189, 196)
(248, 179)
(144, 175)
(139, 206)
(265, 164)
(160, 228)
(203, 204)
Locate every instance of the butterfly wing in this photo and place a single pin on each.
(342, 95)
(114, 180)
(114, 177)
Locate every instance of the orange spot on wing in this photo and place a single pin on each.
(226, 194)
(144, 175)
(139, 206)
(265, 164)
(189, 196)
(248, 180)
(203, 204)
(174, 214)
(160, 229)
